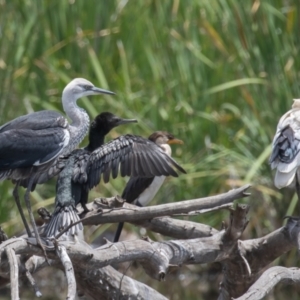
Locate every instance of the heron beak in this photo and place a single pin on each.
(97, 90)
(175, 141)
(125, 121)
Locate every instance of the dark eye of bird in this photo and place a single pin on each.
(86, 87)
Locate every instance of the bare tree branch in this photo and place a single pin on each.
(268, 281)
(259, 253)
(69, 271)
(242, 261)
(154, 256)
(97, 283)
(114, 285)
(32, 282)
(14, 273)
(129, 212)
(178, 229)
(100, 214)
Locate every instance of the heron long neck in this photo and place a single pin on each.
(80, 120)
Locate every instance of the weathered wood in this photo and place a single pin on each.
(243, 261)
(130, 212)
(269, 279)
(14, 273)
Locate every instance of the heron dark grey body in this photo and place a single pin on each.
(30, 144)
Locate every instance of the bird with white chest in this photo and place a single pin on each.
(141, 190)
(30, 144)
(285, 156)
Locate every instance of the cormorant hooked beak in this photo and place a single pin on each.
(175, 141)
(125, 121)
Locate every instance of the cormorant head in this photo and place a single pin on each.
(164, 137)
(106, 121)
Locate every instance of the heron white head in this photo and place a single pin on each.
(80, 87)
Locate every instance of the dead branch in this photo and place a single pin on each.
(131, 213)
(32, 282)
(14, 273)
(113, 285)
(259, 253)
(268, 281)
(178, 229)
(155, 257)
(69, 271)
(243, 261)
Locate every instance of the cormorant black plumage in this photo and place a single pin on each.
(77, 192)
(141, 190)
(133, 155)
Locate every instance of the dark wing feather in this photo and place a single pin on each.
(135, 187)
(34, 138)
(25, 147)
(36, 121)
(81, 159)
(62, 217)
(285, 147)
(134, 155)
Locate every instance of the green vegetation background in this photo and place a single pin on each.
(216, 74)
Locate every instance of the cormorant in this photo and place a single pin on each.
(141, 190)
(133, 155)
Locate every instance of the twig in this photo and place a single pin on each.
(121, 280)
(32, 282)
(203, 211)
(69, 271)
(14, 273)
(244, 258)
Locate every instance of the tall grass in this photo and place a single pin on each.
(217, 74)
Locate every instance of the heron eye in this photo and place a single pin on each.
(86, 87)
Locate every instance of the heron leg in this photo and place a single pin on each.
(17, 199)
(27, 201)
(298, 188)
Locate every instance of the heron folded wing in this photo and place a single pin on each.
(39, 120)
(25, 147)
